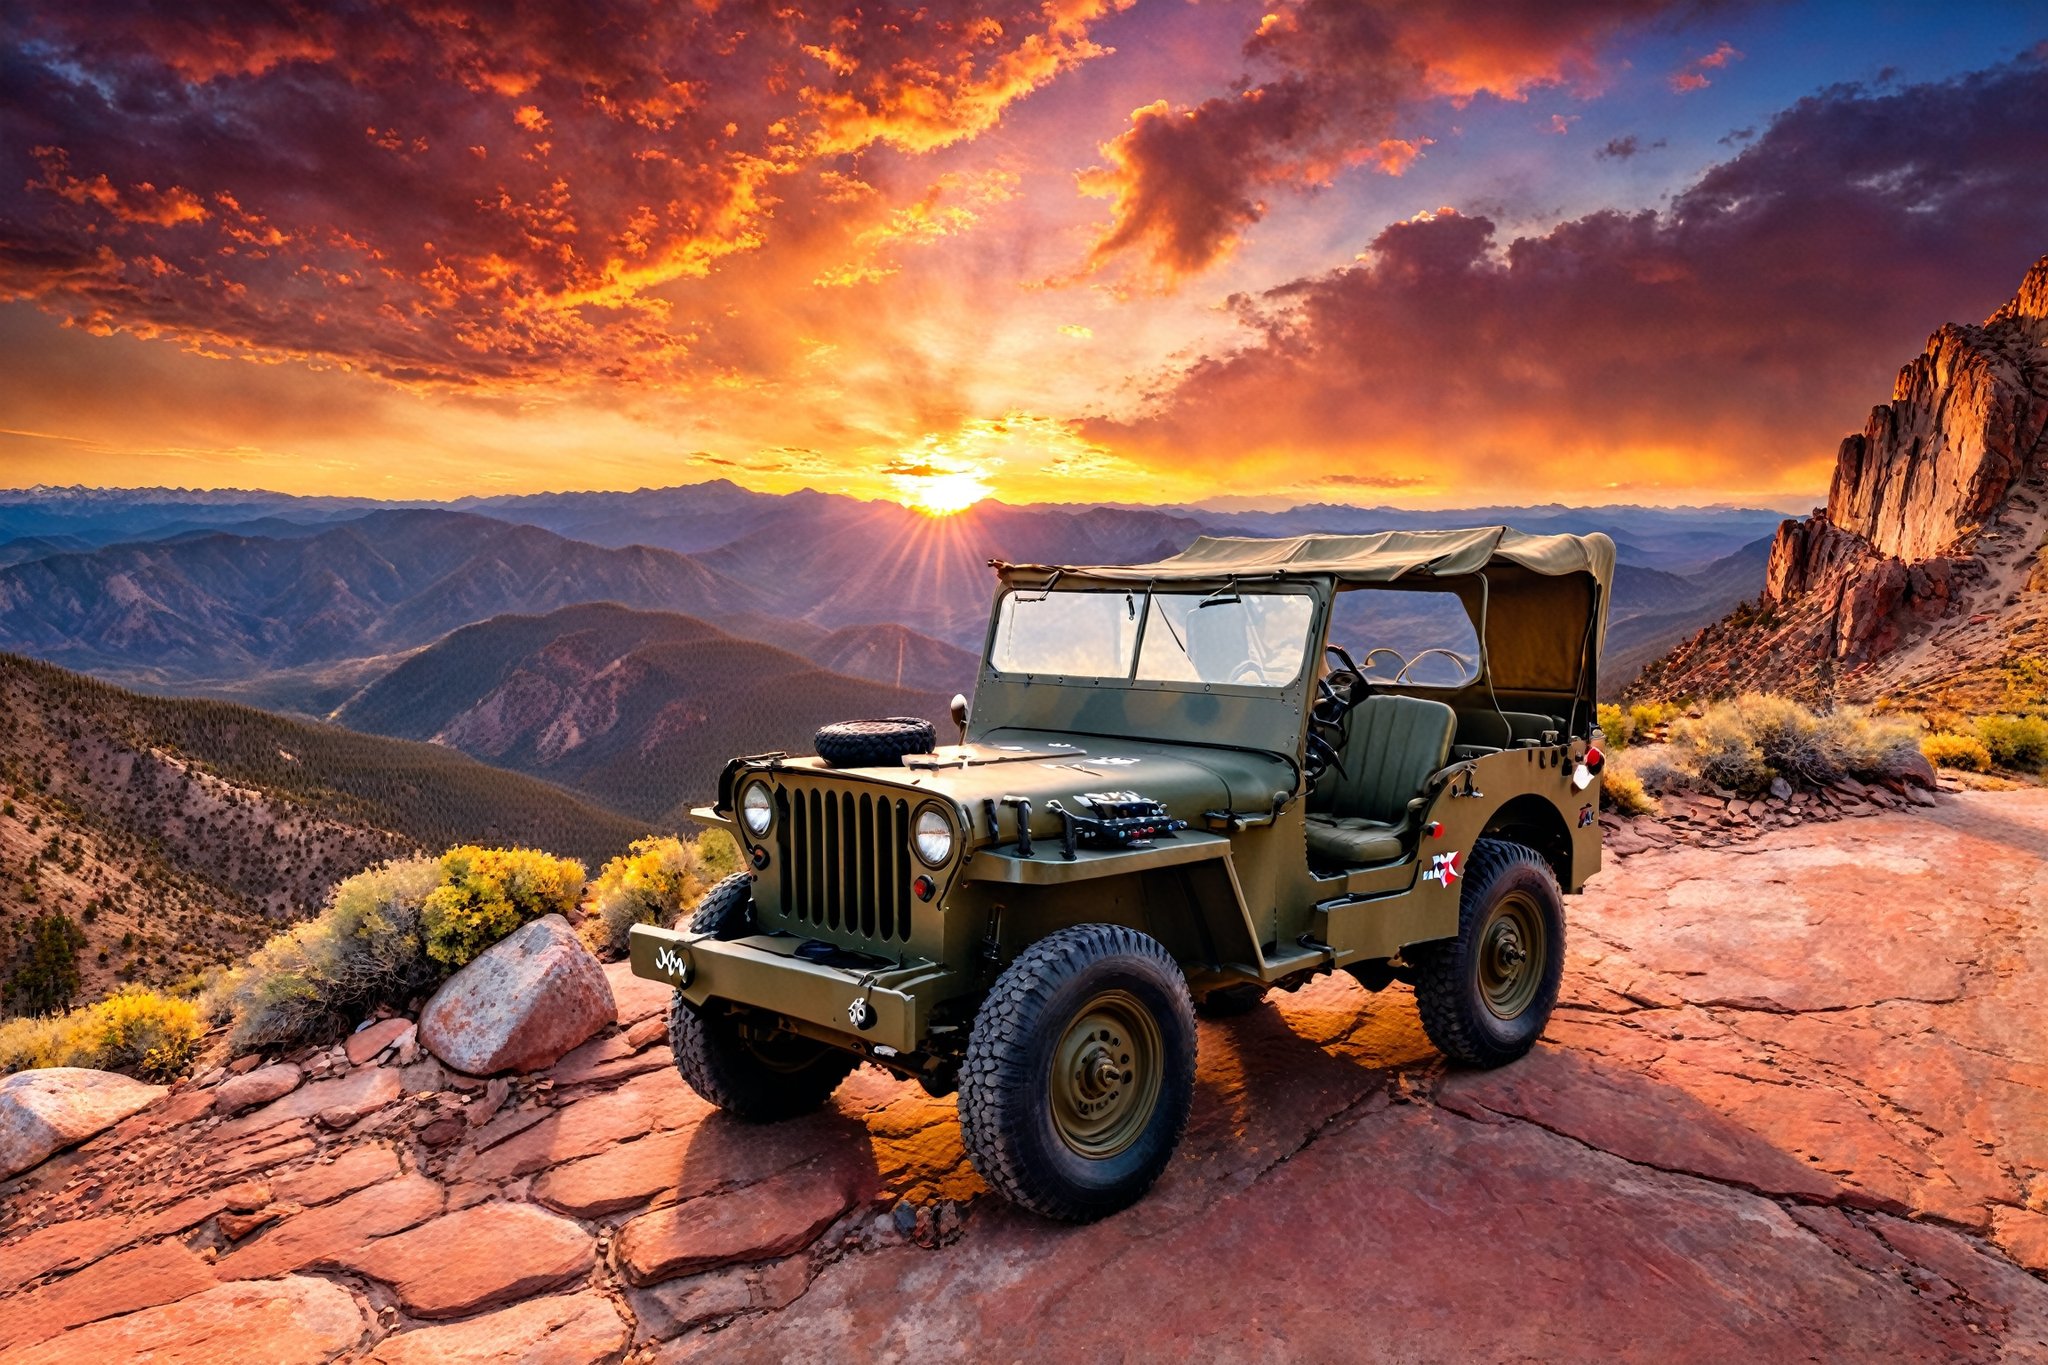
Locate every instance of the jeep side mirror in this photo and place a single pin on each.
(960, 715)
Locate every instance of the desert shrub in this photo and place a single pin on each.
(2015, 741)
(655, 882)
(59, 1040)
(137, 1032)
(1746, 742)
(309, 982)
(1614, 723)
(1946, 749)
(1621, 789)
(486, 893)
(145, 1034)
(1646, 716)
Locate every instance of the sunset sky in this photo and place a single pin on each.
(1339, 250)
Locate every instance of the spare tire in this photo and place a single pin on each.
(875, 743)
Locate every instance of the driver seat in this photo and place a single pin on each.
(1392, 746)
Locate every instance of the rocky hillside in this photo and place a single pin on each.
(1757, 1130)
(175, 834)
(1926, 575)
(641, 710)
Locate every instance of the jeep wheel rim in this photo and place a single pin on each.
(1107, 1074)
(777, 1049)
(1512, 948)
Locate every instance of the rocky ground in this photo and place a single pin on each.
(1794, 1106)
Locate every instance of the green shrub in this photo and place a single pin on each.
(137, 1032)
(1746, 742)
(486, 893)
(311, 981)
(1948, 750)
(2015, 741)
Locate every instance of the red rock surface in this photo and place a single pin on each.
(364, 1044)
(477, 1258)
(524, 1002)
(278, 1322)
(558, 1330)
(1794, 1105)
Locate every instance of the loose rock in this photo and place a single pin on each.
(522, 1004)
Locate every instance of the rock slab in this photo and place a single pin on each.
(764, 1222)
(45, 1111)
(523, 1004)
(278, 1322)
(477, 1257)
(261, 1086)
(566, 1329)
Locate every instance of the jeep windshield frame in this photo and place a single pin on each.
(1537, 602)
(1219, 663)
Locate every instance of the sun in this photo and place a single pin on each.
(941, 491)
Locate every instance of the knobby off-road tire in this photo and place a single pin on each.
(727, 910)
(1080, 1072)
(736, 1059)
(1486, 995)
(1228, 1002)
(741, 1063)
(874, 743)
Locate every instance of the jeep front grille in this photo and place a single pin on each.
(845, 861)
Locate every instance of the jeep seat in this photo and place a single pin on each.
(1392, 746)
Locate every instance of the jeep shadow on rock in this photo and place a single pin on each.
(1182, 785)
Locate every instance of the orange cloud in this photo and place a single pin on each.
(1693, 75)
(481, 195)
(1185, 183)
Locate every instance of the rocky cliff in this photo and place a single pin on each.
(1922, 572)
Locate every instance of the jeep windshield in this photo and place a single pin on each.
(1228, 637)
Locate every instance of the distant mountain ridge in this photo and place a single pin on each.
(641, 710)
(217, 604)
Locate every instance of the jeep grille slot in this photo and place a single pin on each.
(846, 863)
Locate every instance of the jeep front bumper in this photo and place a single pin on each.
(763, 973)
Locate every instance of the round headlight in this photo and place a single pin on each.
(932, 836)
(757, 808)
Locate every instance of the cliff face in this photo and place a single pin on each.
(1927, 505)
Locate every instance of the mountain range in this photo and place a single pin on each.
(626, 644)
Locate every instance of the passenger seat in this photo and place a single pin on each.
(1392, 746)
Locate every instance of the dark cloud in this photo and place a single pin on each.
(1622, 148)
(1736, 332)
(462, 192)
(1333, 84)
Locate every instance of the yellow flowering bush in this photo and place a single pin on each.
(138, 1032)
(486, 893)
(654, 882)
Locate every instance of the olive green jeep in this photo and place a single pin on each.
(1181, 785)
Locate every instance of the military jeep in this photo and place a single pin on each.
(1181, 785)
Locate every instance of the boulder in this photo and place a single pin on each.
(44, 1111)
(261, 1086)
(523, 1003)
